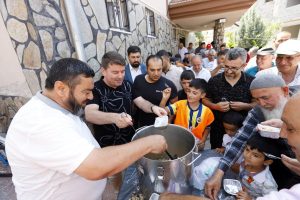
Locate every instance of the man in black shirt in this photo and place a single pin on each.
(150, 87)
(228, 90)
(111, 108)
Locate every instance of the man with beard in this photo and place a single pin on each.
(271, 94)
(134, 67)
(51, 151)
(228, 91)
(171, 72)
(111, 109)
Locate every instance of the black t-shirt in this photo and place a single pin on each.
(151, 92)
(219, 88)
(117, 101)
(181, 95)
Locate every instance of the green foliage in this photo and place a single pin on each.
(199, 36)
(254, 31)
(231, 39)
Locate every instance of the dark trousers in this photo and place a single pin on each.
(216, 134)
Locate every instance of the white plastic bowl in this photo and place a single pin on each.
(268, 131)
(161, 121)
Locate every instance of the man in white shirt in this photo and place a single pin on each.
(287, 62)
(171, 72)
(134, 67)
(210, 62)
(51, 151)
(290, 129)
(182, 50)
(198, 70)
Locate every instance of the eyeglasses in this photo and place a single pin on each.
(226, 68)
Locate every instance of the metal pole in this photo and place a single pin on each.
(74, 29)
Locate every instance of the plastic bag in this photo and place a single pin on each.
(204, 171)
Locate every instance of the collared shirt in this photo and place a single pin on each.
(236, 147)
(194, 120)
(44, 153)
(174, 75)
(219, 88)
(135, 71)
(290, 194)
(257, 184)
(203, 74)
(210, 65)
(274, 70)
(182, 51)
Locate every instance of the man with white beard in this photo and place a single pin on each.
(271, 94)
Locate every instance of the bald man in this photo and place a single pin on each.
(280, 38)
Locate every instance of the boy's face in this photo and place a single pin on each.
(230, 129)
(194, 95)
(185, 84)
(254, 159)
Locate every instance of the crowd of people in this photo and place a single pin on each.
(217, 94)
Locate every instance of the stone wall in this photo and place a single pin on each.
(39, 35)
(8, 108)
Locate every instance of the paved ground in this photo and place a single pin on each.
(7, 190)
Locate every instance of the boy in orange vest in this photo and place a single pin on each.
(191, 113)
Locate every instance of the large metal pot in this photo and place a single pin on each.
(160, 174)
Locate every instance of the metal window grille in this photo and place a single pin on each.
(117, 14)
(150, 22)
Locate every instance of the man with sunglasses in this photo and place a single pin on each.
(228, 90)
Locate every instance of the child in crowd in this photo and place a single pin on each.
(232, 121)
(191, 113)
(254, 174)
(185, 79)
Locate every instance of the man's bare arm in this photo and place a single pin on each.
(104, 162)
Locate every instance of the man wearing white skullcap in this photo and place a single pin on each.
(271, 94)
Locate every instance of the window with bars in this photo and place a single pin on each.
(174, 33)
(150, 22)
(117, 14)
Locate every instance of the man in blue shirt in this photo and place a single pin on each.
(264, 60)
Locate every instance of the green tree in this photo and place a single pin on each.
(253, 31)
(199, 36)
(231, 39)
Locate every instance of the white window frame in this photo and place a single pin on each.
(119, 15)
(150, 14)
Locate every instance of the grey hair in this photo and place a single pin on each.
(196, 56)
(211, 51)
(236, 53)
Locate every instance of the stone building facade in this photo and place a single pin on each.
(39, 33)
(284, 12)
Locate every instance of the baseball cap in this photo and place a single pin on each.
(289, 47)
(208, 46)
(265, 51)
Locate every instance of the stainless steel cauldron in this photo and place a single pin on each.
(160, 174)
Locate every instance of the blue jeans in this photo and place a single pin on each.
(130, 183)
